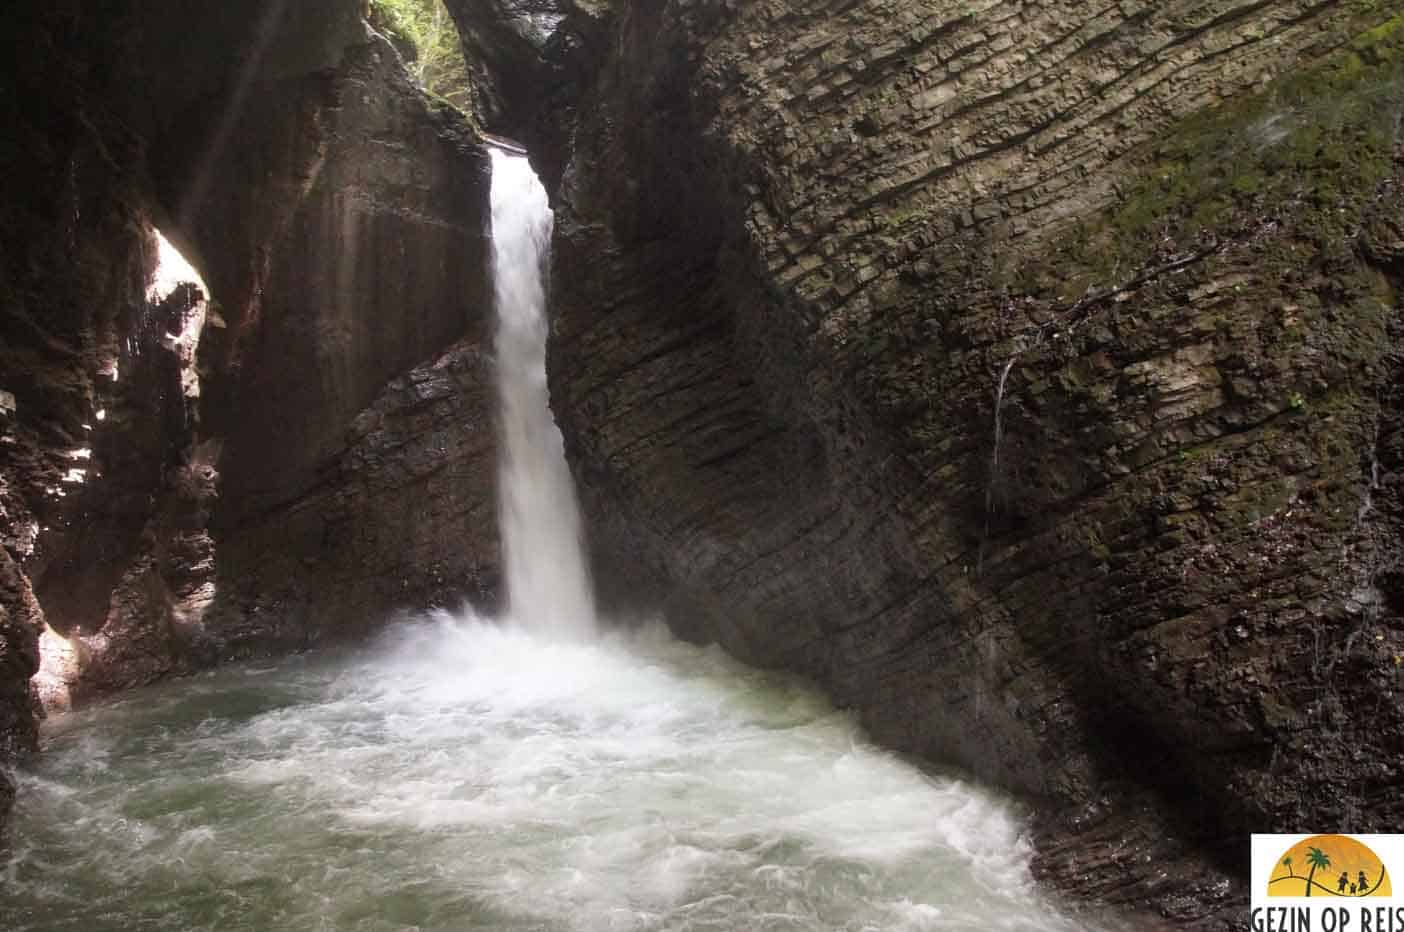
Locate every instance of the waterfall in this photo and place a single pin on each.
(548, 585)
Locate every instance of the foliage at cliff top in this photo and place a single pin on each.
(425, 29)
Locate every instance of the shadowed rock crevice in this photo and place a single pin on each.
(531, 62)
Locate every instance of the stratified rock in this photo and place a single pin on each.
(362, 256)
(810, 246)
(21, 623)
(531, 63)
(74, 241)
(361, 219)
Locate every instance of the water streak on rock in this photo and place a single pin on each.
(994, 458)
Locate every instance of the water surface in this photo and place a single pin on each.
(461, 776)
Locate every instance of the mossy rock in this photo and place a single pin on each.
(1314, 145)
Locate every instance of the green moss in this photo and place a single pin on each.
(895, 219)
(1381, 43)
(1318, 141)
(1252, 503)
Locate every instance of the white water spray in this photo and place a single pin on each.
(548, 585)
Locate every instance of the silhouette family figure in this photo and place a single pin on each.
(1359, 888)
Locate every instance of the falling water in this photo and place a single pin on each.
(548, 585)
(994, 459)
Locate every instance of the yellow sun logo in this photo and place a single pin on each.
(1329, 865)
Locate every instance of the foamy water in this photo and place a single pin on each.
(461, 775)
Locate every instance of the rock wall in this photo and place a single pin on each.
(21, 621)
(327, 446)
(364, 256)
(402, 518)
(1025, 373)
(72, 278)
(530, 62)
(1020, 372)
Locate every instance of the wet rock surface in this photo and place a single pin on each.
(72, 277)
(805, 244)
(21, 621)
(361, 255)
(403, 518)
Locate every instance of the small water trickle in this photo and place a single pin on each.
(1372, 485)
(994, 458)
(1361, 554)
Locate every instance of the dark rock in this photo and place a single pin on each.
(363, 253)
(404, 517)
(531, 61)
(777, 366)
(21, 623)
(378, 264)
(339, 218)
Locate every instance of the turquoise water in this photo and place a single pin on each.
(464, 776)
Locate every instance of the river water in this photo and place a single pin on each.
(523, 774)
(462, 775)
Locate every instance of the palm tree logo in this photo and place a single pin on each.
(1316, 858)
(1362, 873)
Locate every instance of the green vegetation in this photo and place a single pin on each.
(1316, 144)
(426, 34)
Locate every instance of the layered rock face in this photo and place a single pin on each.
(21, 621)
(1024, 373)
(328, 445)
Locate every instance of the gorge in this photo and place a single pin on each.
(504, 775)
(806, 258)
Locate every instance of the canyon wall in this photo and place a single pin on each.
(1027, 374)
(1024, 373)
(319, 455)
